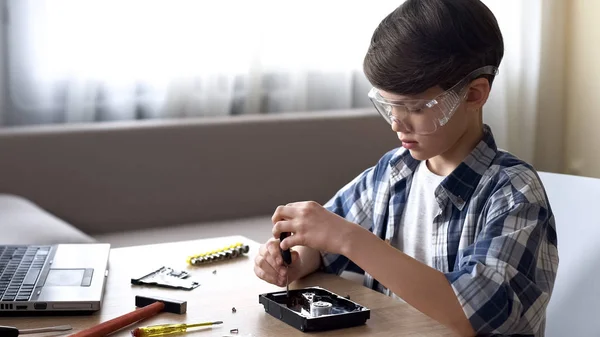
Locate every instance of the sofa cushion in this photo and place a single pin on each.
(23, 222)
(154, 173)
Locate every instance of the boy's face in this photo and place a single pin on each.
(423, 147)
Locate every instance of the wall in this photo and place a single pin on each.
(582, 146)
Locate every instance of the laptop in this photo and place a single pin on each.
(53, 278)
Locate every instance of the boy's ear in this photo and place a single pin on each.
(479, 91)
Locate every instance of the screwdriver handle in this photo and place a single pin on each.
(167, 329)
(285, 254)
(159, 330)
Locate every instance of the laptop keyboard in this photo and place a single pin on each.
(20, 267)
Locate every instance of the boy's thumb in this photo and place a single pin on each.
(295, 256)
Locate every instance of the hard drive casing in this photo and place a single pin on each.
(297, 311)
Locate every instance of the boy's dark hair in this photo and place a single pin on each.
(425, 43)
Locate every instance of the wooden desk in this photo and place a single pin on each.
(233, 285)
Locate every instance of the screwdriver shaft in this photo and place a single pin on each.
(44, 330)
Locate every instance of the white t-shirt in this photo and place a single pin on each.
(416, 224)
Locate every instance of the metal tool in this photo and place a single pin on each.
(166, 277)
(9, 331)
(320, 308)
(148, 307)
(287, 260)
(167, 329)
(225, 253)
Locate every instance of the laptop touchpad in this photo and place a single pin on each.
(69, 277)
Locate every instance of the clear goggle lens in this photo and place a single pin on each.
(423, 116)
(420, 116)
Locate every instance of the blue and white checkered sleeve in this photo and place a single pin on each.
(354, 203)
(505, 278)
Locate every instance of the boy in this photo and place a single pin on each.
(455, 227)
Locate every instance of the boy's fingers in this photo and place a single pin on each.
(284, 212)
(282, 227)
(297, 203)
(274, 254)
(262, 274)
(282, 278)
(291, 241)
(264, 270)
(295, 256)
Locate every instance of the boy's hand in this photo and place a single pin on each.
(269, 265)
(312, 225)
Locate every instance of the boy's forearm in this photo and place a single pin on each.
(310, 260)
(421, 286)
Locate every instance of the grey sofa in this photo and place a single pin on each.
(142, 182)
(145, 182)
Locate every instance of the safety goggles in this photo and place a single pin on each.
(424, 116)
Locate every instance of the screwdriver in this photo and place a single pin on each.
(167, 329)
(9, 331)
(287, 259)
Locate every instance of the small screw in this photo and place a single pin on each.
(233, 310)
(234, 330)
(215, 272)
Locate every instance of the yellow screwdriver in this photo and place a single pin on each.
(167, 329)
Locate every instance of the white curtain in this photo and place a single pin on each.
(116, 59)
(88, 60)
(525, 108)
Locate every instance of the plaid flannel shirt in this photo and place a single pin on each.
(494, 238)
